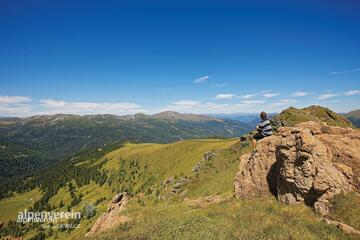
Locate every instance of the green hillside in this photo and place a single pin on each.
(27, 144)
(354, 117)
(170, 198)
(292, 116)
(135, 168)
(178, 190)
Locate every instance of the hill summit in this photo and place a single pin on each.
(292, 116)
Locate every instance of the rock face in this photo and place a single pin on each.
(308, 163)
(113, 215)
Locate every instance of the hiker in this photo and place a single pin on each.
(264, 129)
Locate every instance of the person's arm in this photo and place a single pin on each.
(258, 128)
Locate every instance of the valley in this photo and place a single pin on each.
(182, 189)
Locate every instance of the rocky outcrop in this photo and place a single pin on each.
(207, 201)
(112, 217)
(12, 238)
(206, 158)
(308, 163)
(342, 226)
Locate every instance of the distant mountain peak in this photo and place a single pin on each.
(183, 116)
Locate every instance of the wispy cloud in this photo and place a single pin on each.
(15, 110)
(299, 94)
(182, 106)
(224, 96)
(284, 102)
(188, 103)
(5, 100)
(247, 96)
(15, 105)
(53, 106)
(345, 71)
(253, 102)
(270, 95)
(352, 92)
(202, 79)
(326, 96)
(210, 107)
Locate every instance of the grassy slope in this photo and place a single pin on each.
(10, 207)
(168, 159)
(354, 117)
(346, 208)
(292, 116)
(249, 219)
(175, 219)
(91, 193)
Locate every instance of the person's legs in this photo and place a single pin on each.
(254, 143)
(256, 137)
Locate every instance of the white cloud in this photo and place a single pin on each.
(345, 71)
(210, 107)
(52, 103)
(224, 96)
(247, 96)
(188, 103)
(14, 105)
(202, 79)
(53, 106)
(270, 95)
(326, 96)
(15, 110)
(181, 106)
(6, 100)
(352, 92)
(284, 102)
(253, 101)
(300, 94)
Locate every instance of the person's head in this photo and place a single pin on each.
(263, 116)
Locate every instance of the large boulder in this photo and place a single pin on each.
(308, 163)
(112, 217)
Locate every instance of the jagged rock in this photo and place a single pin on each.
(206, 201)
(197, 167)
(13, 238)
(113, 215)
(168, 180)
(343, 227)
(309, 163)
(209, 155)
(115, 201)
(178, 184)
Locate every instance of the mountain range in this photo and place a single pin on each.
(177, 170)
(40, 141)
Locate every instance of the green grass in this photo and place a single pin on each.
(263, 218)
(10, 207)
(170, 159)
(217, 175)
(151, 164)
(292, 116)
(346, 209)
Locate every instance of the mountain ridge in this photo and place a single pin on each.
(354, 117)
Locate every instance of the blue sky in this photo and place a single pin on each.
(123, 57)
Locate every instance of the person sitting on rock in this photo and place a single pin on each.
(264, 129)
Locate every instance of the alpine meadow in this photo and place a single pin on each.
(219, 120)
